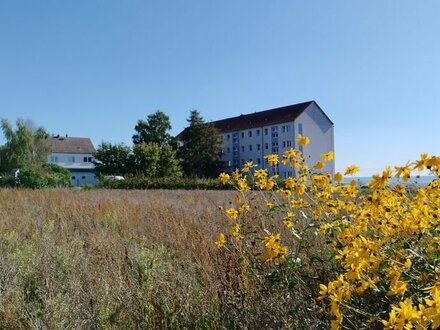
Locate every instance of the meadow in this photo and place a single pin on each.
(304, 252)
(112, 259)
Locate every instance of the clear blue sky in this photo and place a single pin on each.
(94, 67)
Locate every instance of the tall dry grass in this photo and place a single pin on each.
(97, 259)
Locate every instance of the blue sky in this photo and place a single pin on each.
(93, 68)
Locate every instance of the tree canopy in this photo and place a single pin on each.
(112, 159)
(26, 145)
(201, 148)
(145, 159)
(154, 130)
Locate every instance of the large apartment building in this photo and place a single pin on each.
(251, 137)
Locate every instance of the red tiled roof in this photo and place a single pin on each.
(71, 145)
(262, 118)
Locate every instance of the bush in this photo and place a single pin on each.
(141, 182)
(48, 176)
(379, 248)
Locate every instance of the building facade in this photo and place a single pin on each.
(253, 136)
(75, 154)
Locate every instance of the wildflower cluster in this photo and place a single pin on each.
(385, 237)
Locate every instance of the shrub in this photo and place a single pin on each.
(49, 175)
(380, 246)
(142, 182)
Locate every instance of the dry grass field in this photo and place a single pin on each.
(101, 259)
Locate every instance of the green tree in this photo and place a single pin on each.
(200, 149)
(113, 159)
(169, 165)
(25, 146)
(154, 130)
(145, 159)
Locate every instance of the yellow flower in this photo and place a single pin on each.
(244, 207)
(352, 169)
(243, 185)
(232, 213)
(302, 140)
(286, 193)
(338, 177)
(378, 181)
(224, 178)
(272, 159)
(405, 170)
(319, 165)
(288, 223)
(328, 156)
(220, 240)
(260, 174)
(289, 183)
(274, 251)
(234, 230)
(300, 189)
(420, 164)
(247, 167)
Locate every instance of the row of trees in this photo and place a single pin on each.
(155, 154)
(194, 153)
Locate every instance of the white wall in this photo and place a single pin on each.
(80, 178)
(313, 124)
(64, 159)
(317, 127)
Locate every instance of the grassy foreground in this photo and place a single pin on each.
(103, 259)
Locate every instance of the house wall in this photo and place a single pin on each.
(80, 178)
(278, 138)
(319, 129)
(82, 172)
(66, 159)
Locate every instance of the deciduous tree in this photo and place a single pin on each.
(26, 145)
(154, 130)
(112, 159)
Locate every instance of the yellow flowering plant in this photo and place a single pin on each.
(380, 242)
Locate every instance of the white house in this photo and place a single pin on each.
(251, 137)
(77, 155)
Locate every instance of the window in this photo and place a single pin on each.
(242, 148)
(288, 143)
(73, 177)
(83, 177)
(266, 146)
(275, 134)
(285, 128)
(250, 147)
(85, 159)
(284, 144)
(71, 159)
(274, 128)
(228, 137)
(258, 132)
(250, 133)
(266, 131)
(242, 162)
(258, 161)
(258, 146)
(242, 135)
(228, 150)
(274, 149)
(54, 159)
